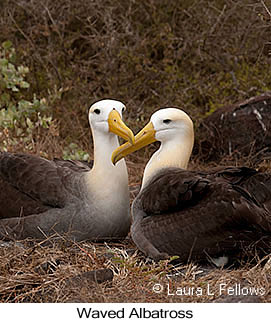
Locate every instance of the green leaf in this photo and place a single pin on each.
(7, 44)
(29, 123)
(3, 62)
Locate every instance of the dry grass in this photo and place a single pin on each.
(32, 271)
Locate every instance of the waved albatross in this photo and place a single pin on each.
(194, 214)
(39, 197)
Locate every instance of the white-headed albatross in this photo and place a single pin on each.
(194, 214)
(39, 197)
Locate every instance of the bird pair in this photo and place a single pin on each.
(177, 212)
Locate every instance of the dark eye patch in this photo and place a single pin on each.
(97, 111)
(166, 121)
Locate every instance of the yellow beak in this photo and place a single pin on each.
(118, 127)
(145, 137)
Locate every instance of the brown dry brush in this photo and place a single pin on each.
(59, 272)
(197, 55)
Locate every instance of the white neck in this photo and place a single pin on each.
(104, 176)
(172, 153)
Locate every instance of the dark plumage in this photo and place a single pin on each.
(194, 214)
(36, 184)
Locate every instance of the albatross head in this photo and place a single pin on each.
(166, 125)
(169, 126)
(105, 117)
(174, 129)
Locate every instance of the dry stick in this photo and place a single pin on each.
(218, 19)
(84, 251)
(25, 36)
(265, 7)
(34, 290)
(20, 30)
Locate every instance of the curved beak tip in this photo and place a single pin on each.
(117, 126)
(132, 138)
(114, 159)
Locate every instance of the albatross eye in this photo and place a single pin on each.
(166, 121)
(123, 109)
(97, 111)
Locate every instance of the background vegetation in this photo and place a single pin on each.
(58, 57)
(197, 55)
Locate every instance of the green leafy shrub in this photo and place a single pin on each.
(18, 116)
(23, 120)
(73, 151)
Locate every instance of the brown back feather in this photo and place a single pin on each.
(189, 213)
(32, 185)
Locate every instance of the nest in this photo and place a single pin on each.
(66, 271)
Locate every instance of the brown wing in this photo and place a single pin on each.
(173, 190)
(259, 186)
(231, 174)
(187, 214)
(31, 185)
